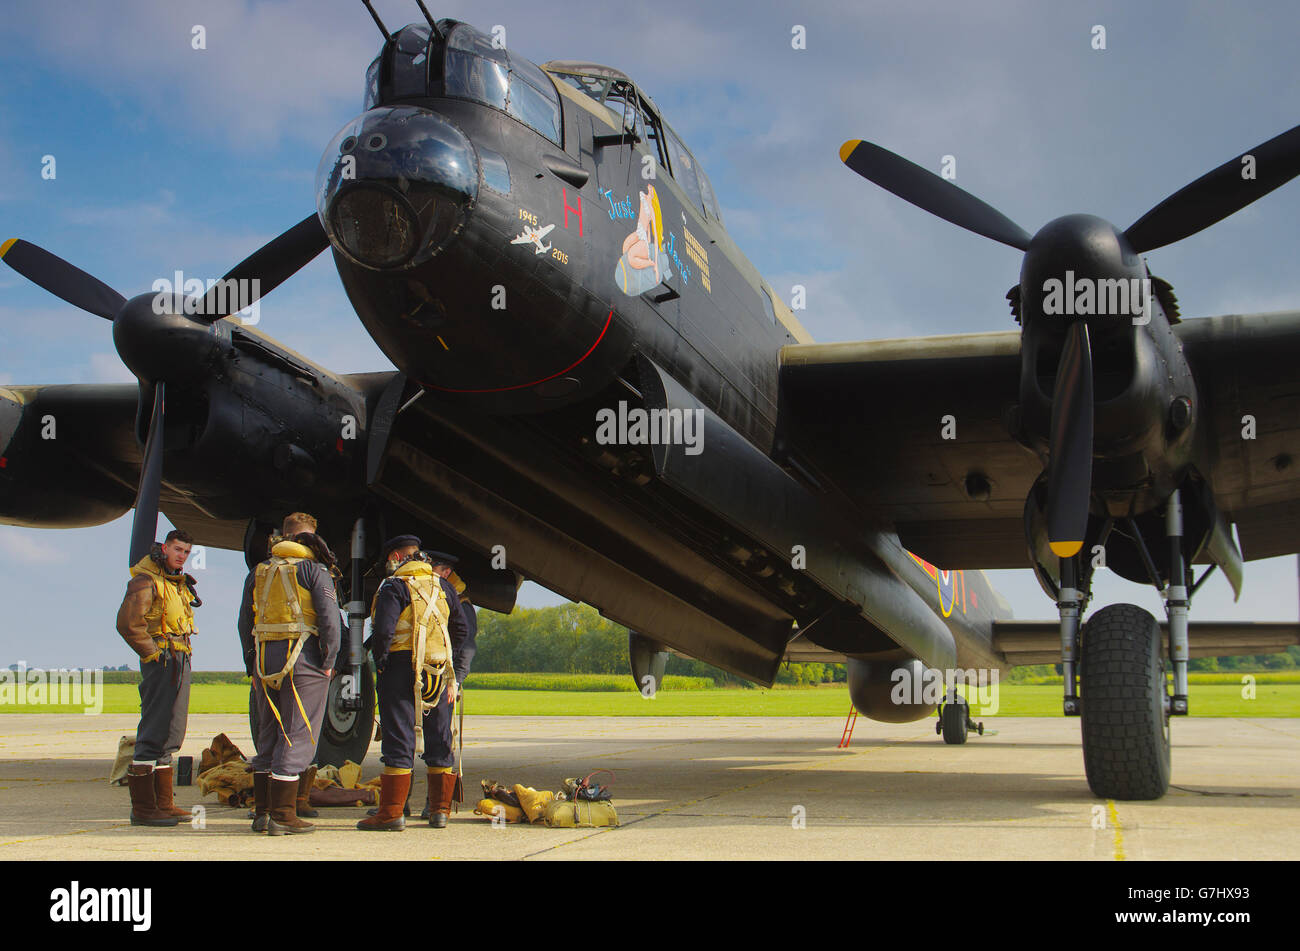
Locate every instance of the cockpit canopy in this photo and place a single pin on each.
(463, 64)
(634, 111)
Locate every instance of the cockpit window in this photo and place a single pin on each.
(614, 94)
(649, 128)
(710, 199)
(410, 62)
(372, 85)
(610, 94)
(684, 169)
(477, 70)
(593, 86)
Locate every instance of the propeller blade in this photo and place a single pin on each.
(270, 265)
(145, 526)
(62, 279)
(1218, 194)
(928, 191)
(1069, 475)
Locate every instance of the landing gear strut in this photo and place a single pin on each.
(1119, 662)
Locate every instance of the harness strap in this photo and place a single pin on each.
(291, 628)
(444, 675)
(276, 680)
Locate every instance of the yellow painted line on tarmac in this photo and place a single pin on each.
(64, 835)
(1113, 815)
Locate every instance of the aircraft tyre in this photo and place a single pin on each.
(1125, 719)
(954, 721)
(345, 734)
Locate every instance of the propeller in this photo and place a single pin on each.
(928, 191)
(269, 266)
(61, 279)
(144, 525)
(1218, 194)
(1069, 473)
(1211, 198)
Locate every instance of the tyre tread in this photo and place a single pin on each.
(1123, 757)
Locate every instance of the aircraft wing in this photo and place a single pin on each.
(1039, 642)
(869, 419)
(69, 457)
(68, 454)
(1246, 370)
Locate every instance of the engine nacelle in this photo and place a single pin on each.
(892, 691)
(68, 457)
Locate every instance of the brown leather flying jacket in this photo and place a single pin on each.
(156, 614)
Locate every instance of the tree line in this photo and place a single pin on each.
(575, 639)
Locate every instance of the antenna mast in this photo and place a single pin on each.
(378, 22)
(437, 34)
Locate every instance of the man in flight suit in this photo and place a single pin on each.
(156, 619)
(289, 627)
(411, 597)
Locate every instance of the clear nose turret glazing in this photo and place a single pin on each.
(395, 186)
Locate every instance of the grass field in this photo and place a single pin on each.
(1207, 700)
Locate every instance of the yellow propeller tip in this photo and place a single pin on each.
(847, 149)
(1065, 549)
(4, 248)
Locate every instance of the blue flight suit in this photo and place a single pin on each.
(395, 683)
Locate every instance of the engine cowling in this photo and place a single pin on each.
(68, 456)
(893, 692)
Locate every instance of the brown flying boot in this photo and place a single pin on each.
(162, 790)
(440, 808)
(144, 801)
(406, 809)
(284, 812)
(305, 811)
(261, 801)
(393, 790)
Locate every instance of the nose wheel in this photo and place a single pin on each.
(955, 723)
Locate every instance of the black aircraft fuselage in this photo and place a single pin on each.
(533, 246)
(632, 257)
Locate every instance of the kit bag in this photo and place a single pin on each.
(577, 814)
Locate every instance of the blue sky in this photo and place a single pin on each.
(170, 157)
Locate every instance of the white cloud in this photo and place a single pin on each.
(31, 547)
(108, 368)
(269, 69)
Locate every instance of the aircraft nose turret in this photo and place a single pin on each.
(395, 186)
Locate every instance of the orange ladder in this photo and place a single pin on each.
(849, 723)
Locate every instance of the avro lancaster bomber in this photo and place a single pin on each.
(595, 389)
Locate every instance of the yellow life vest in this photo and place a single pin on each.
(421, 628)
(282, 611)
(282, 608)
(459, 584)
(170, 618)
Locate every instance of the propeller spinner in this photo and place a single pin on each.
(140, 327)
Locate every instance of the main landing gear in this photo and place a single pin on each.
(1117, 674)
(954, 720)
